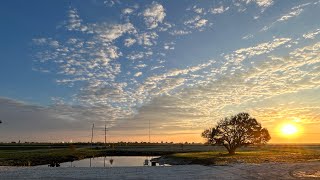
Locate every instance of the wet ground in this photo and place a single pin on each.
(310, 170)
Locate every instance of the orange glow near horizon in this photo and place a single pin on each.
(292, 130)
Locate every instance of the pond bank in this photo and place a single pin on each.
(56, 156)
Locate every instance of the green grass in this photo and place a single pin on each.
(36, 154)
(288, 154)
(44, 156)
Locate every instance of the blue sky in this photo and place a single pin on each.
(180, 64)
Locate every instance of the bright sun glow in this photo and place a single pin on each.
(289, 129)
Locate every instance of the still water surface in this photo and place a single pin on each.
(108, 161)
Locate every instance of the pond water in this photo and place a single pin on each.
(109, 161)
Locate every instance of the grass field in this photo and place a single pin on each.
(38, 154)
(270, 153)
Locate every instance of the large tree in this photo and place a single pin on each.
(237, 131)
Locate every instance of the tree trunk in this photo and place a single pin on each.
(232, 151)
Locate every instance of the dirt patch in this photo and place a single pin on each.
(306, 171)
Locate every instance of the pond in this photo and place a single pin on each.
(109, 161)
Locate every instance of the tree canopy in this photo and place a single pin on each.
(237, 131)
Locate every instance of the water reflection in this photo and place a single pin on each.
(108, 161)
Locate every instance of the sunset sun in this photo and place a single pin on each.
(289, 129)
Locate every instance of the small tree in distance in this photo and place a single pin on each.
(237, 131)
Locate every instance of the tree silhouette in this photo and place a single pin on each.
(236, 131)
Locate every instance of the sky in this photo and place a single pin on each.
(178, 66)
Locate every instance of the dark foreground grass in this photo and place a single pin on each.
(43, 156)
(47, 156)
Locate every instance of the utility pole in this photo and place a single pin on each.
(92, 134)
(105, 135)
(149, 130)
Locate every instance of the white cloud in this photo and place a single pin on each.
(141, 66)
(302, 5)
(127, 11)
(154, 15)
(199, 10)
(264, 3)
(169, 46)
(192, 20)
(75, 22)
(137, 74)
(179, 32)
(139, 55)
(249, 36)
(112, 52)
(156, 67)
(261, 3)
(218, 10)
(263, 48)
(147, 39)
(308, 53)
(39, 41)
(196, 23)
(290, 15)
(134, 56)
(312, 34)
(166, 82)
(54, 44)
(111, 3)
(108, 33)
(294, 12)
(58, 101)
(165, 27)
(201, 23)
(129, 42)
(242, 4)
